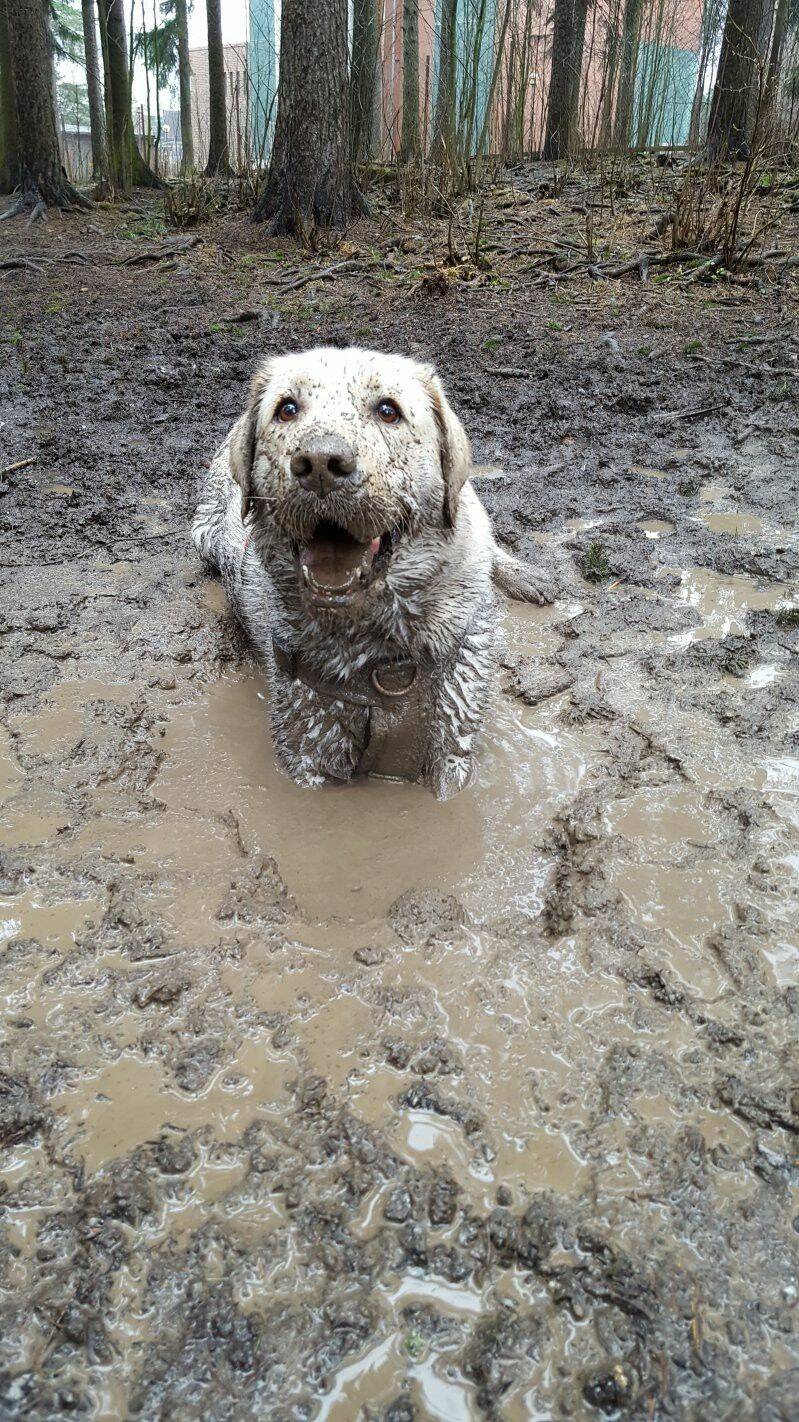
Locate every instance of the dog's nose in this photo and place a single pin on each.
(323, 463)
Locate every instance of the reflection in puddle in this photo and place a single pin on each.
(654, 528)
(662, 815)
(723, 601)
(713, 493)
(350, 852)
(527, 1018)
(584, 524)
(737, 524)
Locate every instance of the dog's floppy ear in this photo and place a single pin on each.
(456, 453)
(243, 439)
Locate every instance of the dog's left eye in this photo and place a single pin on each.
(388, 412)
(287, 410)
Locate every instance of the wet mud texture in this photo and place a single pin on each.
(353, 1105)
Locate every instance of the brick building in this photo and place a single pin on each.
(237, 103)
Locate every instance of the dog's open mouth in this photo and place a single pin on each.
(336, 568)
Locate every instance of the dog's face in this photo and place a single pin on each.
(346, 453)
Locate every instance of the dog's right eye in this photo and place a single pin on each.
(287, 410)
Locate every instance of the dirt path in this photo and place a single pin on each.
(352, 1105)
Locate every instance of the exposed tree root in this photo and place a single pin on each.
(35, 199)
(20, 204)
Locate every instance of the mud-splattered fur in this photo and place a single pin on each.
(435, 604)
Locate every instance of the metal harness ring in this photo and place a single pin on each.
(386, 691)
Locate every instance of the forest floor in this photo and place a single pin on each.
(353, 1105)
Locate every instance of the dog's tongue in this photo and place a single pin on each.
(333, 559)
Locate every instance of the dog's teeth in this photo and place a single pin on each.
(306, 575)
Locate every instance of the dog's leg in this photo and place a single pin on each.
(217, 531)
(316, 740)
(458, 710)
(517, 580)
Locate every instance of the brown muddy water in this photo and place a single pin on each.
(275, 938)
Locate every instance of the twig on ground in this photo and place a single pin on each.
(20, 464)
(318, 274)
(238, 318)
(688, 414)
(20, 264)
(747, 365)
(20, 205)
(175, 248)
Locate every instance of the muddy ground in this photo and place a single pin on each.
(352, 1105)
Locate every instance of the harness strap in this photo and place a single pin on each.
(393, 691)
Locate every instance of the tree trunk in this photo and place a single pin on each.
(409, 143)
(310, 181)
(94, 90)
(37, 169)
(778, 34)
(609, 78)
(218, 160)
(117, 94)
(728, 133)
(363, 79)
(184, 79)
(631, 27)
(125, 163)
(568, 40)
(443, 146)
(157, 65)
(711, 27)
(9, 148)
(147, 143)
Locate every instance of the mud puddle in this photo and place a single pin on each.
(723, 601)
(348, 854)
(331, 917)
(202, 938)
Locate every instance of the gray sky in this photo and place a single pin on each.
(234, 23)
(234, 30)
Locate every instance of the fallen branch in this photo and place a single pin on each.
(688, 414)
(240, 317)
(20, 264)
(161, 254)
(747, 365)
(20, 464)
(318, 274)
(19, 205)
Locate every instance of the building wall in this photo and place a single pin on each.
(513, 55)
(237, 83)
(665, 83)
(263, 50)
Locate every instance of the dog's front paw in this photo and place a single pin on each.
(302, 772)
(527, 586)
(451, 775)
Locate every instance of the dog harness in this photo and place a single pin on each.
(395, 692)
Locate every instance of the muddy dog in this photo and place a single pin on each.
(362, 566)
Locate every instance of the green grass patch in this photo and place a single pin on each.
(596, 568)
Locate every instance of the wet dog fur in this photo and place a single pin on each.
(414, 559)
